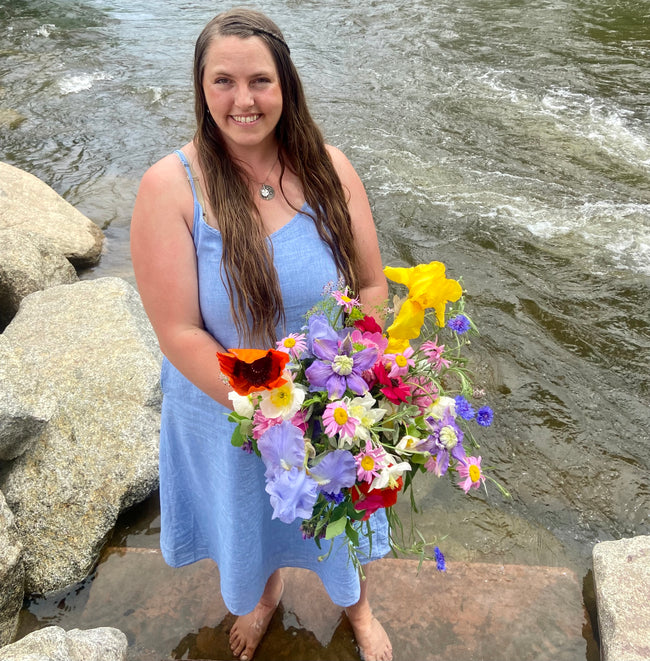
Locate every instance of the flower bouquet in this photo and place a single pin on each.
(344, 415)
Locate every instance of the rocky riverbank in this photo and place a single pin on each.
(79, 399)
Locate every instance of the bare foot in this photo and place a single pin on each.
(372, 639)
(249, 629)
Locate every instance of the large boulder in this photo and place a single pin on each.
(622, 581)
(93, 350)
(25, 409)
(30, 206)
(12, 575)
(28, 264)
(55, 644)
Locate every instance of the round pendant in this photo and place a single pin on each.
(267, 192)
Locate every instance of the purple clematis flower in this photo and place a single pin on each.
(338, 366)
(282, 447)
(445, 442)
(319, 329)
(292, 494)
(335, 471)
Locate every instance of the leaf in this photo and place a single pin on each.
(352, 534)
(238, 439)
(335, 528)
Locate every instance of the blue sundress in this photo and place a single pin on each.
(212, 497)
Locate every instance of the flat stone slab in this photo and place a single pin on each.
(622, 582)
(471, 612)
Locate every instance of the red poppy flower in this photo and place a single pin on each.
(370, 501)
(252, 370)
(367, 325)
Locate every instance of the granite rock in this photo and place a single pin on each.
(622, 581)
(55, 644)
(93, 350)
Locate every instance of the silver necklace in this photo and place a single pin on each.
(267, 192)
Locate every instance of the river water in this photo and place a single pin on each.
(508, 139)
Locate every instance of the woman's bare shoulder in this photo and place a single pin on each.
(168, 171)
(164, 192)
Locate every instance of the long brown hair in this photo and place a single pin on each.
(247, 264)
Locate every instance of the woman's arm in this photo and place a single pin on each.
(164, 262)
(373, 286)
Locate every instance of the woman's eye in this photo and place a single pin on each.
(221, 81)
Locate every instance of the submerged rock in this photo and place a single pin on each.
(91, 347)
(55, 644)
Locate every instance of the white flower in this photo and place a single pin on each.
(284, 401)
(362, 408)
(242, 404)
(409, 444)
(438, 408)
(388, 475)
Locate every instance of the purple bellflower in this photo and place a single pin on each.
(335, 471)
(292, 494)
(281, 446)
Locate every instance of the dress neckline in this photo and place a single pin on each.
(202, 219)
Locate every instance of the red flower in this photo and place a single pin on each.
(252, 370)
(394, 390)
(370, 501)
(367, 325)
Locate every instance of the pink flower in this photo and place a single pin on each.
(433, 352)
(369, 462)
(261, 423)
(371, 340)
(470, 473)
(398, 364)
(338, 420)
(344, 300)
(294, 344)
(300, 420)
(423, 392)
(432, 465)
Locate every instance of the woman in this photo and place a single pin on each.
(233, 239)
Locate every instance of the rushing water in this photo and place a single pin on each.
(509, 139)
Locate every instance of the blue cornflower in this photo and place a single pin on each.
(460, 324)
(484, 416)
(440, 560)
(335, 498)
(463, 408)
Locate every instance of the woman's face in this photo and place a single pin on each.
(242, 91)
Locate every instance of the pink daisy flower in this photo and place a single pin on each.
(433, 352)
(369, 462)
(398, 364)
(470, 473)
(344, 300)
(294, 344)
(338, 420)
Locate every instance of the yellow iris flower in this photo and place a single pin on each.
(428, 288)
